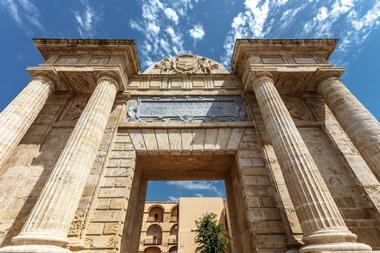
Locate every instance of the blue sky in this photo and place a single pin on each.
(204, 27)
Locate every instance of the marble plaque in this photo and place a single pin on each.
(187, 109)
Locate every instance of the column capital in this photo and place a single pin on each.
(47, 78)
(110, 77)
(257, 77)
(327, 80)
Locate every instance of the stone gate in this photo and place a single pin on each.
(299, 154)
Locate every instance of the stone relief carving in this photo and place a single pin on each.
(289, 83)
(75, 108)
(186, 109)
(298, 109)
(81, 82)
(186, 64)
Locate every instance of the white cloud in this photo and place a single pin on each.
(159, 26)
(24, 13)
(197, 32)
(172, 198)
(171, 14)
(197, 185)
(199, 195)
(86, 19)
(341, 7)
(349, 20)
(322, 14)
(249, 23)
(152, 27)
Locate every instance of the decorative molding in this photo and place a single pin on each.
(184, 82)
(291, 80)
(81, 79)
(186, 109)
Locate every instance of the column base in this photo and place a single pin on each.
(340, 246)
(340, 239)
(33, 249)
(38, 242)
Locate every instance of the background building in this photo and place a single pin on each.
(159, 230)
(164, 229)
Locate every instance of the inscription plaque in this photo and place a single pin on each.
(187, 109)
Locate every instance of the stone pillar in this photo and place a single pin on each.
(48, 223)
(321, 222)
(359, 124)
(19, 115)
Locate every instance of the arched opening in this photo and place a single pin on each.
(173, 249)
(154, 250)
(156, 214)
(207, 166)
(153, 235)
(174, 214)
(173, 239)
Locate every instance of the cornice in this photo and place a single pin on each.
(324, 47)
(52, 46)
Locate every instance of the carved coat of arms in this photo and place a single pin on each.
(186, 64)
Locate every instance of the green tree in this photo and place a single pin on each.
(210, 237)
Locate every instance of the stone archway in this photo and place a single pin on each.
(215, 153)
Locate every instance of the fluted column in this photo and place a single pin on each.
(19, 115)
(48, 224)
(359, 124)
(321, 221)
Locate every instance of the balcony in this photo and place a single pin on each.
(150, 219)
(153, 219)
(152, 241)
(172, 241)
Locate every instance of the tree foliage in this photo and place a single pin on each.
(210, 237)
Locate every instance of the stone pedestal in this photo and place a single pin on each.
(321, 222)
(47, 226)
(19, 115)
(359, 124)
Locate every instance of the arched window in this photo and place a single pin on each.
(154, 235)
(156, 214)
(173, 239)
(174, 214)
(173, 249)
(153, 250)
(174, 230)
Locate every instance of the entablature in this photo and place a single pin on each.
(86, 55)
(81, 79)
(185, 82)
(291, 80)
(294, 64)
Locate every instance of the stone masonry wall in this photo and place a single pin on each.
(26, 171)
(349, 179)
(266, 228)
(103, 231)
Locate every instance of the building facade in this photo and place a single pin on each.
(299, 154)
(169, 226)
(159, 229)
